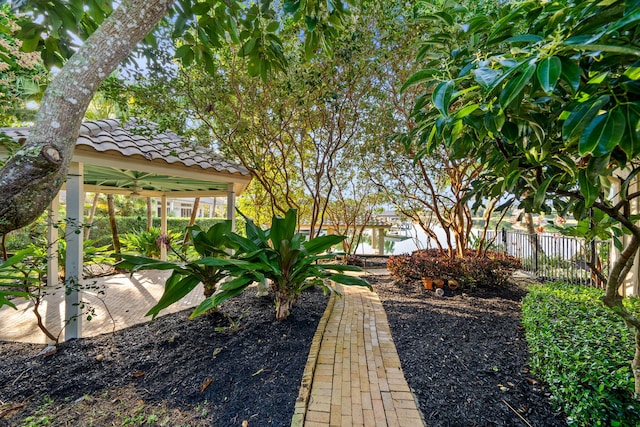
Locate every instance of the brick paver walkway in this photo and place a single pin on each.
(127, 299)
(353, 376)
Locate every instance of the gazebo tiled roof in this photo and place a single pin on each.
(138, 156)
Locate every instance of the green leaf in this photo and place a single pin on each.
(291, 6)
(516, 85)
(485, 76)
(183, 51)
(592, 47)
(548, 72)
(525, 38)
(511, 180)
(603, 134)
(571, 73)
(596, 167)
(630, 143)
(582, 116)
(441, 97)
(349, 280)
(419, 77)
(464, 112)
(589, 190)
(310, 22)
(322, 243)
(541, 193)
(176, 288)
(494, 120)
(631, 18)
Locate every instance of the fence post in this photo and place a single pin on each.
(535, 254)
(504, 240)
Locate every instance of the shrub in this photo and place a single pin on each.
(493, 269)
(583, 351)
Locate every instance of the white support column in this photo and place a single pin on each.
(163, 225)
(52, 242)
(74, 239)
(231, 206)
(374, 238)
(381, 241)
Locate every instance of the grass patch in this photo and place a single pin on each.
(584, 352)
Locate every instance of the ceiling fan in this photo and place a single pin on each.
(136, 190)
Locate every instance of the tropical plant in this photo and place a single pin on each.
(91, 254)
(290, 263)
(545, 95)
(146, 243)
(212, 244)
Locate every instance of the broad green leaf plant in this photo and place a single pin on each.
(186, 275)
(279, 255)
(547, 96)
(289, 262)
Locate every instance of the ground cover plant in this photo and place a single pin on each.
(583, 351)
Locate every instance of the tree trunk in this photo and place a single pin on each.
(34, 174)
(149, 214)
(613, 299)
(114, 225)
(284, 304)
(635, 366)
(92, 213)
(192, 220)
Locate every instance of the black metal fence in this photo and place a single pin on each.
(556, 257)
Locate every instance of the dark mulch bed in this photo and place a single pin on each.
(170, 371)
(464, 356)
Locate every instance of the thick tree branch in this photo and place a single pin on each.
(34, 175)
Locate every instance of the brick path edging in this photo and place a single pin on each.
(302, 401)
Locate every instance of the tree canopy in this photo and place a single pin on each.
(35, 173)
(545, 95)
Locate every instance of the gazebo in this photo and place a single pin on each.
(136, 159)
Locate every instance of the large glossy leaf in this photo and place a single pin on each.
(588, 189)
(525, 38)
(630, 143)
(465, 111)
(350, 280)
(571, 73)
(322, 243)
(603, 134)
(596, 167)
(420, 77)
(485, 76)
(516, 85)
(225, 264)
(628, 19)
(136, 263)
(548, 72)
(441, 97)
(541, 193)
(234, 287)
(582, 116)
(176, 288)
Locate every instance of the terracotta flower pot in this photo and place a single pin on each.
(428, 283)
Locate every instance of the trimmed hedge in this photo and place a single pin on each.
(583, 351)
(494, 269)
